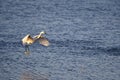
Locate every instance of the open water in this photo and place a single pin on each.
(84, 39)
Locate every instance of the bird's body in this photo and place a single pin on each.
(28, 40)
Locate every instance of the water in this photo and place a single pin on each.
(84, 37)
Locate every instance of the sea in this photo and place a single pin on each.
(84, 38)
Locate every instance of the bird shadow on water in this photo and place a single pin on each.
(28, 75)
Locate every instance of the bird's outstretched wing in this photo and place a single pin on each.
(44, 41)
(27, 39)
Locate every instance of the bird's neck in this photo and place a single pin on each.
(37, 37)
(40, 34)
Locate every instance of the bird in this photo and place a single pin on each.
(28, 40)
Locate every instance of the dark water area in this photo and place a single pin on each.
(84, 39)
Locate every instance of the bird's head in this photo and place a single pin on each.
(42, 32)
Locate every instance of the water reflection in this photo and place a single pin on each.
(27, 53)
(27, 75)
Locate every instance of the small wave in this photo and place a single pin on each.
(73, 43)
(9, 45)
(85, 47)
(115, 51)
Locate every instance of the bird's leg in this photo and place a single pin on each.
(25, 48)
(28, 48)
(27, 51)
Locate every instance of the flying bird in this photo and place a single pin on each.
(28, 40)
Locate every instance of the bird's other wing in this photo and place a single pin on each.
(44, 41)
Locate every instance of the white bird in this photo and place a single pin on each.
(28, 40)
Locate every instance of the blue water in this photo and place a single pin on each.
(84, 39)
